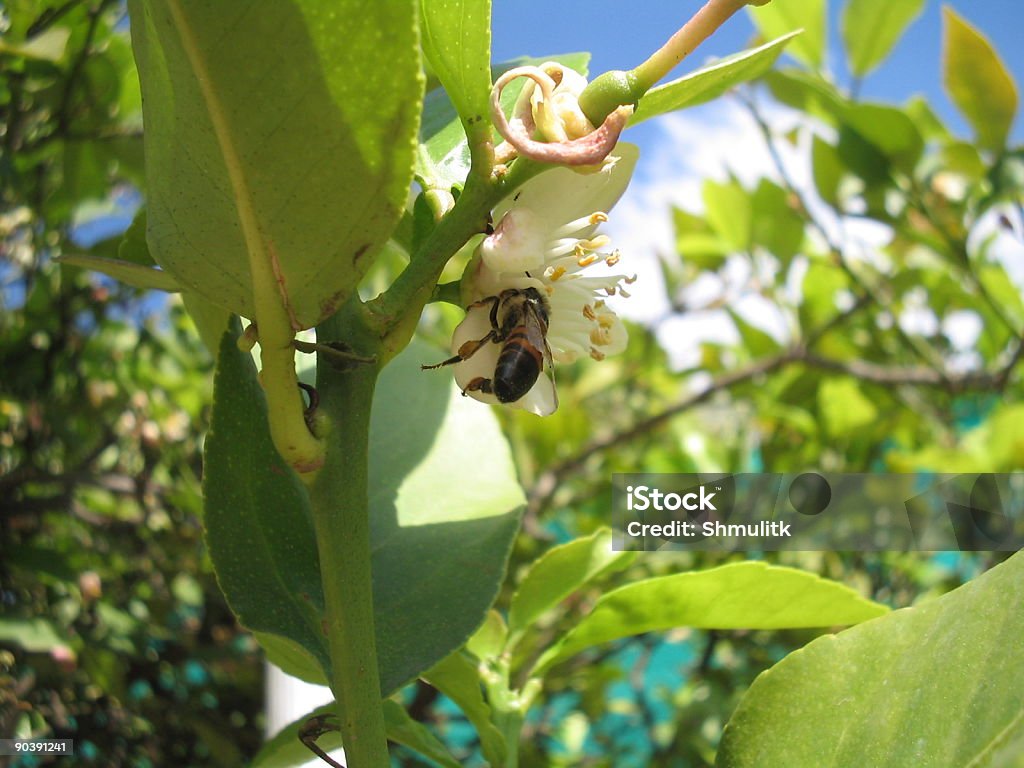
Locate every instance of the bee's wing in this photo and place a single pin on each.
(536, 333)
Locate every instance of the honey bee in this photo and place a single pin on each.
(519, 323)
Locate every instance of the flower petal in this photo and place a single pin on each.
(561, 194)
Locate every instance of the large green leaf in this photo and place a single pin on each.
(871, 28)
(780, 18)
(938, 685)
(259, 527)
(444, 505)
(711, 81)
(561, 571)
(977, 82)
(428, 532)
(456, 36)
(746, 595)
(279, 135)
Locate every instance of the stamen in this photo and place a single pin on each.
(599, 356)
(624, 293)
(596, 243)
(585, 260)
(554, 273)
(613, 259)
(588, 312)
(602, 337)
(581, 223)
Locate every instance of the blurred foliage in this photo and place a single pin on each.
(112, 629)
(875, 328)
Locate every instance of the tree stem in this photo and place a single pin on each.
(341, 517)
(709, 18)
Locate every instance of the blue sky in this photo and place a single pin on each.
(622, 34)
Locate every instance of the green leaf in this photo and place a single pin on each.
(427, 532)
(561, 571)
(711, 81)
(871, 28)
(780, 18)
(776, 225)
(756, 341)
(291, 658)
(429, 529)
(489, 639)
(146, 278)
(844, 407)
(729, 212)
(928, 123)
(34, 635)
(456, 38)
(827, 170)
(457, 678)
(746, 595)
(285, 750)
(282, 137)
(697, 243)
(47, 46)
(402, 729)
(977, 82)
(258, 522)
(887, 129)
(133, 246)
(941, 684)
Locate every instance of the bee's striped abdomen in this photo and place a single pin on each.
(519, 366)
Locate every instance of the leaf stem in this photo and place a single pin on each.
(396, 312)
(340, 503)
(277, 326)
(709, 18)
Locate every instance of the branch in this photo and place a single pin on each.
(549, 481)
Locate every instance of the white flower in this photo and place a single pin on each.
(546, 238)
(547, 123)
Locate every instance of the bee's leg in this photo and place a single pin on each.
(479, 384)
(466, 351)
(469, 348)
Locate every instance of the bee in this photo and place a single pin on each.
(519, 324)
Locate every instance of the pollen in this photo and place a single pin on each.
(554, 273)
(598, 217)
(596, 243)
(585, 259)
(613, 259)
